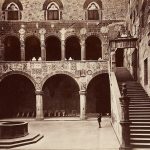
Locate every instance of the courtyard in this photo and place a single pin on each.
(73, 134)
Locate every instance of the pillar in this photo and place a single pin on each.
(82, 105)
(39, 105)
(43, 51)
(42, 32)
(2, 51)
(83, 51)
(125, 123)
(63, 55)
(22, 43)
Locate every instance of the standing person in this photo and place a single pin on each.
(99, 119)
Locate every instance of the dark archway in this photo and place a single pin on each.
(98, 95)
(32, 48)
(73, 48)
(17, 94)
(61, 94)
(119, 56)
(12, 49)
(135, 63)
(53, 49)
(93, 48)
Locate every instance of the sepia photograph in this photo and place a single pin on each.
(75, 74)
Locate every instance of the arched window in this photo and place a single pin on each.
(12, 10)
(53, 12)
(93, 11)
(53, 9)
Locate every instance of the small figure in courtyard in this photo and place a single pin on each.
(99, 119)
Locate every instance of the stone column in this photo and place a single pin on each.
(82, 105)
(63, 51)
(83, 51)
(125, 123)
(39, 105)
(63, 55)
(22, 43)
(1, 50)
(42, 39)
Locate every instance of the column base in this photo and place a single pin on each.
(39, 119)
(83, 118)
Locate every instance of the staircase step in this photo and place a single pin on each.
(140, 127)
(139, 114)
(134, 135)
(140, 140)
(140, 131)
(140, 124)
(139, 117)
(138, 146)
(133, 110)
(9, 144)
(140, 107)
(140, 120)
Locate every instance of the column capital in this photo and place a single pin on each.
(82, 92)
(39, 92)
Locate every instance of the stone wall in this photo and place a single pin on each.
(142, 33)
(73, 9)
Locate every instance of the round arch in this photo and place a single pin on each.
(12, 48)
(98, 94)
(73, 48)
(19, 73)
(47, 2)
(53, 48)
(93, 48)
(17, 94)
(32, 48)
(61, 96)
(6, 2)
(97, 74)
(87, 2)
(62, 73)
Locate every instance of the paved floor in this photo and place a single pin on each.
(73, 135)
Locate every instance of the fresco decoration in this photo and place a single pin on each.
(80, 71)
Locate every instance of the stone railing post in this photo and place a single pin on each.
(125, 123)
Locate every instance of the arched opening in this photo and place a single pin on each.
(61, 96)
(12, 49)
(93, 48)
(17, 94)
(98, 95)
(119, 56)
(32, 48)
(73, 48)
(134, 63)
(52, 11)
(12, 10)
(53, 48)
(93, 11)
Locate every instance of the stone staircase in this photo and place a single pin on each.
(139, 110)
